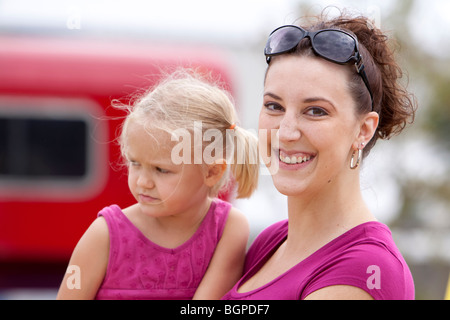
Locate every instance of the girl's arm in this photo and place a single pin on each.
(88, 263)
(227, 263)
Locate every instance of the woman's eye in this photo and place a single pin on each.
(273, 106)
(316, 112)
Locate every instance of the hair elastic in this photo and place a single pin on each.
(232, 126)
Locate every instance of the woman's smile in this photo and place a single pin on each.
(293, 160)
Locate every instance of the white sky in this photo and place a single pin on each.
(238, 21)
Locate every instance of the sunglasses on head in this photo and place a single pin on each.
(333, 45)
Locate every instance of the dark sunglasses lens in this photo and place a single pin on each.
(282, 40)
(334, 45)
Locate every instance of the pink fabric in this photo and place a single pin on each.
(365, 257)
(141, 269)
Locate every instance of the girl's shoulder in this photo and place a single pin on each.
(237, 219)
(227, 217)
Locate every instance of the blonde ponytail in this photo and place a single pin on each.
(245, 164)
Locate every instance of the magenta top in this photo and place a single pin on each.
(364, 257)
(140, 269)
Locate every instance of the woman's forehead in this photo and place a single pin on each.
(306, 75)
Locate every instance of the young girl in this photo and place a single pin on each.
(178, 241)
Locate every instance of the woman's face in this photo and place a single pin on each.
(306, 100)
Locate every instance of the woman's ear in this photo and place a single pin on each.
(215, 171)
(367, 129)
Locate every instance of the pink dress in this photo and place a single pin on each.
(141, 269)
(364, 257)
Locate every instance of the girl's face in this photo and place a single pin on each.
(307, 102)
(161, 187)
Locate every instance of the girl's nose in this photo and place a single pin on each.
(145, 180)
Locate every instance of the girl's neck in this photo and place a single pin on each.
(191, 218)
(170, 231)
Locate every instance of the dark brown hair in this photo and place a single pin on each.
(394, 104)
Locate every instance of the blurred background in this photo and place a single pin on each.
(62, 62)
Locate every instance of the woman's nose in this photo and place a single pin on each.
(289, 129)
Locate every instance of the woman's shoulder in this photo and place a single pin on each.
(274, 231)
(265, 242)
(365, 257)
(369, 244)
(370, 238)
(271, 235)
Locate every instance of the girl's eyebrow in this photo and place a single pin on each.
(129, 156)
(153, 162)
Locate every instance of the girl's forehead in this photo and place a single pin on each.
(148, 131)
(143, 138)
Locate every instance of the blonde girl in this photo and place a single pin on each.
(179, 241)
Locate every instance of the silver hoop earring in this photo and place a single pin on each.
(354, 165)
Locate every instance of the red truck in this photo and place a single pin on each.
(59, 161)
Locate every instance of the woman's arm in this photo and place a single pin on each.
(90, 260)
(227, 263)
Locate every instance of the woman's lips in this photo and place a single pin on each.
(294, 159)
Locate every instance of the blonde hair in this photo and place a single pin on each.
(186, 97)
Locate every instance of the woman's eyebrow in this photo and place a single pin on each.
(272, 95)
(307, 100)
(317, 99)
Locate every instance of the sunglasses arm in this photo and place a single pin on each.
(359, 65)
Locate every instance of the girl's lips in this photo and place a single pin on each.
(146, 198)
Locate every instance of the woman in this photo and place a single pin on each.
(331, 91)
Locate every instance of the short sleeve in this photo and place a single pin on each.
(370, 267)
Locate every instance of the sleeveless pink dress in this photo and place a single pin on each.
(141, 269)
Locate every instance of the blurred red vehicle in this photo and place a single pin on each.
(59, 162)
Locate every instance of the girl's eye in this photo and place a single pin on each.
(161, 170)
(273, 106)
(316, 112)
(134, 163)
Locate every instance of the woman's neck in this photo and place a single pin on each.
(317, 218)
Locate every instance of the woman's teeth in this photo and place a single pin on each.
(294, 159)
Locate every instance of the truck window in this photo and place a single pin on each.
(42, 148)
(52, 148)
